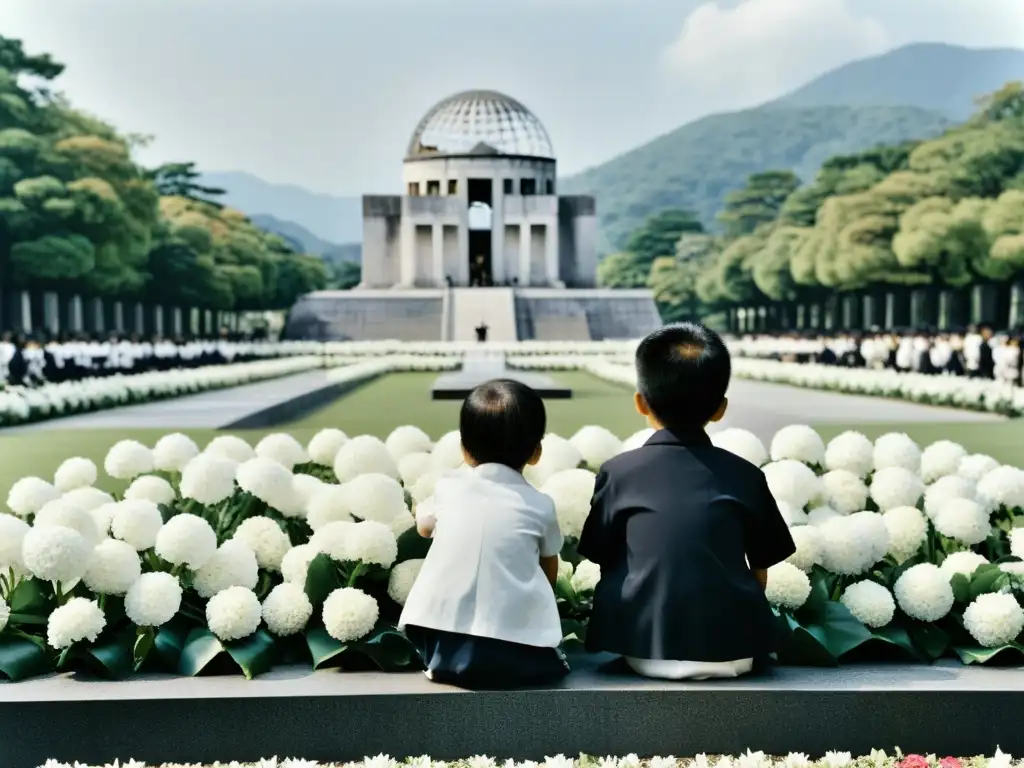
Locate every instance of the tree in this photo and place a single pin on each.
(346, 275)
(180, 180)
(659, 234)
(758, 203)
(943, 238)
(623, 270)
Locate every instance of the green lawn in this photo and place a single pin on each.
(401, 399)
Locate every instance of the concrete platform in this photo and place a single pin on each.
(333, 715)
(483, 366)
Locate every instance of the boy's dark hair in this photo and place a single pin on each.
(502, 422)
(683, 371)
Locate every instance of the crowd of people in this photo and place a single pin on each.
(977, 351)
(32, 361)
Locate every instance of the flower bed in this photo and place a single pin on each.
(877, 759)
(238, 557)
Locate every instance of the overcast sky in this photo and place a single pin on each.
(325, 93)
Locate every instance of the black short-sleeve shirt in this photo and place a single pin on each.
(676, 526)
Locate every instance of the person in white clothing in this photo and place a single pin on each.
(482, 612)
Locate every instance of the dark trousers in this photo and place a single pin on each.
(483, 663)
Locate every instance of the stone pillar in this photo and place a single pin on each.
(76, 317)
(158, 320)
(551, 253)
(25, 311)
(499, 272)
(437, 247)
(96, 316)
(1016, 317)
(139, 318)
(51, 312)
(983, 304)
(176, 323)
(119, 317)
(525, 238)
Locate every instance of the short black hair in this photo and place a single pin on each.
(502, 422)
(683, 371)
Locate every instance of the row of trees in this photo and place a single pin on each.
(79, 216)
(943, 213)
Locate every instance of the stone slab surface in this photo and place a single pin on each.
(479, 367)
(332, 715)
(214, 409)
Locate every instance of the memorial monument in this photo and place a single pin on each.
(480, 238)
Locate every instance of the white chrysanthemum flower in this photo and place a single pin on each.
(332, 540)
(820, 515)
(234, 613)
(151, 488)
(946, 488)
(571, 490)
(186, 540)
(596, 445)
(793, 516)
(845, 491)
(961, 562)
(349, 614)
(305, 488)
(30, 494)
(564, 569)
(77, 620)
(897, 450)
(923, 592)
(994, 619)
(208, 478)
(851, 451)
(286, 610)
(103, 516)
(374, 496)
(1017, 543)
(232, 565)
(230, 447)
(557, 455)
(976, 466)
(112, 568)
(128, 459)
(76, 472)
(295, 563)
(136, 522)
(324, 446)
(792, 482)
(401, 579)
(87, 499)
(637, 439)
(908, 529)
(153, 599)
(407, 439)
(854, 543)
(12, 536)
(69, 515)
(788, 586)
(586, 577)
(896, 487)
(798, 442)
(447, 452)
(266, 539)
(809, 546)
(940, 459)
(870, 603)
(328, 505)
(402, 523)
(1002, 487)
(363, 454)
(172, 452)
(413, 466)
(742, 443)
(372, 543)
(270, 482)
(282, 448)
(424, 486)
(963, 520)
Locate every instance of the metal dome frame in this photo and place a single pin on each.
(481, 123)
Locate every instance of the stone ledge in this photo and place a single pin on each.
(295, 408)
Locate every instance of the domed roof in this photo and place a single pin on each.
(480, 123)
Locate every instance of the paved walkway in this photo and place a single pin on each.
(209, 409)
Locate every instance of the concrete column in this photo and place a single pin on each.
(176, 321)
(551, 253)
(25, 311)
(118, 317)
(158, 320)
(51, 312)
(407, 254)
(499, 272)
(437, 246)
(76, 314)
(97, 315)
(139, 319)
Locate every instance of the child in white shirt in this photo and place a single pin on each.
(482, 612)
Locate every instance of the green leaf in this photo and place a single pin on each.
(897, 636)
(931, 641)
(322, 578)
(564, 590)
(322, 647)
(961, 587)
(986, 655)
(254, 654)
(573, 628)
(115, 657)
(145, 639)
(32, 597)
(842, 630)
(200, 649)
(412, 546)
(986, 580)
(21, 658)
(389, 649)
(804, 646)
(25, 618)
(170, 640)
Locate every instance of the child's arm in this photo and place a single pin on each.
(426, 518)
(768, 538)
(550, 567)
(761, 574)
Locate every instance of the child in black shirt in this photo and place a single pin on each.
(684, 532)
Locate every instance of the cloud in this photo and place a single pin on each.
(733, 57)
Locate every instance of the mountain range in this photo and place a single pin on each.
(911, 92)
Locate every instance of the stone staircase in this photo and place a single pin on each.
(493, 307)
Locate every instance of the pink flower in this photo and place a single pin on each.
(950, 762)
(915, 761)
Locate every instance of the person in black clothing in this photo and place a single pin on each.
(986, 360)
(481, 332)
(684, 532)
